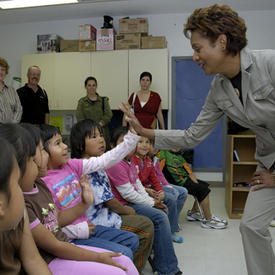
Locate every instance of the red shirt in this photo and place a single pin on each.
(147, 173)
(148, 112)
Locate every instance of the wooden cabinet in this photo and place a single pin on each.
(70, 73)
(238, 172)
(111, 71)
(117, 73)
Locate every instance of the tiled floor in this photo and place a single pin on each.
(210, 252)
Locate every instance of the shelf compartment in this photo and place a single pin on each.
(245, 147)
(243, 173)
(241, 189)
(238, 202)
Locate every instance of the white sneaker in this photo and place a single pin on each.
(272, 223)
(213, 224)
(194, 216)
(220, 220)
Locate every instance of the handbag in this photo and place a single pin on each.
(133, 103)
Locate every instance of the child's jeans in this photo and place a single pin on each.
(112, 239)
(174, 198)
(165, 259)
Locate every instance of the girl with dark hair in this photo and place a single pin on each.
(244, 90)
(95, 107)
(146, 104)
(87, 141)
(63, 181)
(17, 248)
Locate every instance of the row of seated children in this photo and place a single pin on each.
(61, 256)
(87, 141)
(45, 210)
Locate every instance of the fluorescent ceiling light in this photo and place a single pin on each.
(16, 4)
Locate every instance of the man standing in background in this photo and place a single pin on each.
(34, 99)
(10, 107)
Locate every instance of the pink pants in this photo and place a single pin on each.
(61, 266)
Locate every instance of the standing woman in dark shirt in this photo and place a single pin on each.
(146, 104)
(95, 107)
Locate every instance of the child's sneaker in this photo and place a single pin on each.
(177, 239)
(194, 216)
(220, 220)
(213, 224)
(272, 223)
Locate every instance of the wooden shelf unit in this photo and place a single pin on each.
(238, 171)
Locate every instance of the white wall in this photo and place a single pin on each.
(20, 39)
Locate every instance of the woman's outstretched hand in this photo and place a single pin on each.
(131, 118)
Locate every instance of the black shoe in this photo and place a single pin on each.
(178, 273)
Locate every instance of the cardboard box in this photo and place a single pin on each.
(135, 25)
(127, 41)
(87, 46)
(69, 45)
(104, 39)
(87, 32)
(153, 42)
(47, 43)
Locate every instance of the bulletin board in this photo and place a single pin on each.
(190, 87)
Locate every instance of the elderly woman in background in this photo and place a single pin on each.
(10, 106)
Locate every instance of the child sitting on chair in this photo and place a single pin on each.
(176, 170)
(153, 186)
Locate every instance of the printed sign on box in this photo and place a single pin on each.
(87, 32)
(104, 39)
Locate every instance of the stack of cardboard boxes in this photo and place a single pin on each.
(133, 34)
(87, 38)
(48, 43)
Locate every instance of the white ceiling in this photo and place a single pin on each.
(98, 8)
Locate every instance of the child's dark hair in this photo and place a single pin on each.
(22, 142)
(81, 130)
(34, 131)
(47, 132)
(116, 133)
(7, 158)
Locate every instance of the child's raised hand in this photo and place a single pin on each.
(106, 258)
(87, 191)
(131, 118)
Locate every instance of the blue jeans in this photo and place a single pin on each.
(165, 259)
(112, 239)
(174, 198)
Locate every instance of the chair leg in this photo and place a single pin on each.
(199, 207)
(151, 262)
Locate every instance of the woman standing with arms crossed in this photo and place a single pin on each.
(146, 104)
(244, 90)
(95, 107)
